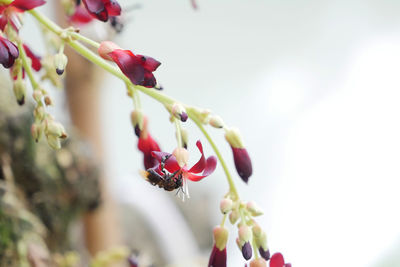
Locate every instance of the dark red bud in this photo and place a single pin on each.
(264, 253)
(217, 258)
(247, 251)
(242, 163)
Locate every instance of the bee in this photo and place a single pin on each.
(168, 181)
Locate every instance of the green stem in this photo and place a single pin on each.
(232, 187)
(82, 38)
(160, 97)
(27, 66)
(178, 131)
(223, 220)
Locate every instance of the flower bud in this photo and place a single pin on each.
(179, 112)
(216, 121)
(185, 137)
(54, 141)
(260, 262)
(226, 205)
(39, 113)
(220, 237)
(137, 121)
(19, 91)
(56, 129)
(254, 209)
(257, 231)
(48, 101)
(240, 156)
(37, 95)
(247, 251)
(60, 62)
(245, 234)
(181, 155)
(36, 131)
(106, 48)
(234, 216)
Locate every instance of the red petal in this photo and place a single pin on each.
(36, 65)
(242, 163)
(81, 16)
(113, 8)
(277, 260)
(211, 164)
(171, 164)
(3, 22)
(149, 80)
(27, 4)
(97, 9)
(201, 164)
(150, 63)
(217, 258)
(147, 146)
(8, 52)
(129, 64)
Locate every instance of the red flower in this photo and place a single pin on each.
(137, 68)
(8, 52)
(207, 167)
(8, 12)
(36, 65)
(147, 145)
(278, 261)
(217, 258)
(102, 9)
(81, 16)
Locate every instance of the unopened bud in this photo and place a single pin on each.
(247, 251)
(220, 237)
(54, 141)
(181, 155)
(185, 137)
(234, 216)
(56, 129)
(260, 262)
(60, 62)
(226, 205)
(39, 113)
(254, 209)
(233, 136)
(137, 121)
(179, 112)
(106, 48)
(19, 91)
(48, 101)
(216, 121)
(257, 231)
(37, 95)
(36, 131)
(245, 234)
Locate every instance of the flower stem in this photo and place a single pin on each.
(178, 132)
(82, 38)
(27, 66)
(232, 187)
(160, 97)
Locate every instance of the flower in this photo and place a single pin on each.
(171, 164)
(81, 16)
(218, 254)
(278, 261)
(8, 53)
(36, 65)
(240, 156)
(102, 9)
(9, 12)
(139, 69)
(147, 145)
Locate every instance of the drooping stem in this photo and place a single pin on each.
(232, 187)
(160, 97)
(178, 132)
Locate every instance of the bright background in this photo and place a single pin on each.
(314, 88)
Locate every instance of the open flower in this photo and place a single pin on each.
(8, 53)
(102, 9)
(139, 69)
(170, 163)
(36, 65)
(9, 12)
(81, 16)
(278, 261)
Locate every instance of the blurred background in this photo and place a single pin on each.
(314, 88)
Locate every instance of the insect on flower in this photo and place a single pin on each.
(172, 174)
